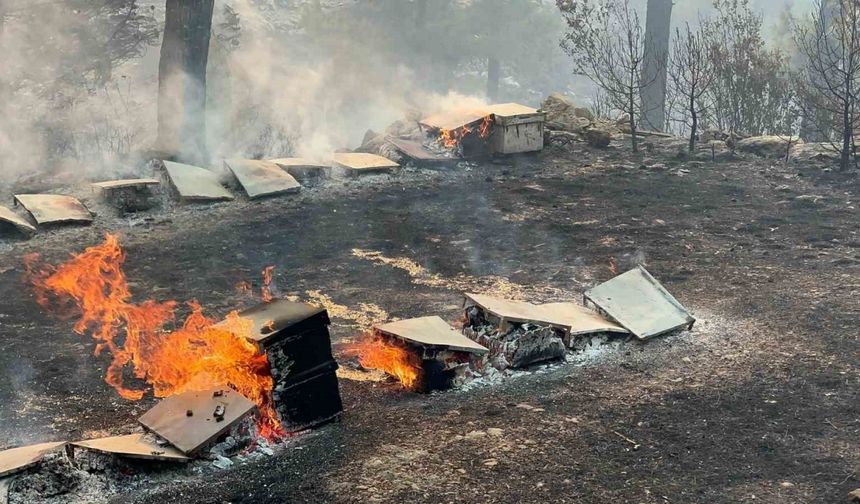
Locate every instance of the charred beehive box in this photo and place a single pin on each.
(296, 340)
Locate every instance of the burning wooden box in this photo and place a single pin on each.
(507, 128)
(296, 340)
(425, 353)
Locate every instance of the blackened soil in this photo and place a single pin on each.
(760, 404)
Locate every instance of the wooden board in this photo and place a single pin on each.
(262, 178)
(417, 152)
(357, 163)
(431, 331)
(301, 168)
(125, 184)
(18, 459)
(138, 445)
(580, 319)
(517, 311)
(638, 302)
(567, 316)
(193, 183)
(7, 215)
(169, 418)
(454, 119)
(270, 318)
(54, 208)
(510, 110)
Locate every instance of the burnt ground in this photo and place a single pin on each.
(758, 404)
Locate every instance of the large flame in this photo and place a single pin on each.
(451, 138)
(374, 352)
(194, 357)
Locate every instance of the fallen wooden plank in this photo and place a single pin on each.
(517, 311)
(302, 169)
(140, 445)
(581, 320)
(17, 459)
(638, 302)
(261, 178)
(54, 209)
(191, 420)
(360, 163)
(416, 151)
(7, 215)
(431, 331)
(193, 183)
(125, 184)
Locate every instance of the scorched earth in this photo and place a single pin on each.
(759, 403)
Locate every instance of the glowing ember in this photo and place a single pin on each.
(195, 357)
(395, 360)
(613, 265)
(244, 288)
(266, 291)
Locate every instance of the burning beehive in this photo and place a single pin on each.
(295, 339)
(245, 354)
(423, 354)
(507, 128)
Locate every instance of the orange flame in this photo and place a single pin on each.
(266, 291)
(450, 139)
(395, 360)
(486, 127)
(195, 357)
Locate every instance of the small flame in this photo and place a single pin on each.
(486, 127)
(374, 352)
(195, 357)
(450, 139)
(266, 290)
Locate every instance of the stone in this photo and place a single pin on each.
(222, 462)
(774, 146)
(598, 138)
(563, 114)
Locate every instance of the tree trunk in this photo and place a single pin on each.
(694, 126)
(494, 71)
(631, 103)
(847, 134)
(657, 25)
(182, 80)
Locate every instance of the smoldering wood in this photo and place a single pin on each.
(128, 195)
